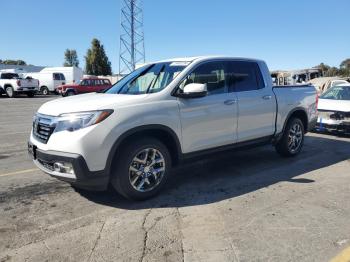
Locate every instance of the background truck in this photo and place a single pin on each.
(132, 135)
(12, 84)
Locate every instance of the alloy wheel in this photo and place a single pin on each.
(295, 137)
(146, 170)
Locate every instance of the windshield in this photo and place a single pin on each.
(148, 79)
(337, 93)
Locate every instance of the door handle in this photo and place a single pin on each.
(230, 102)
(267, 97)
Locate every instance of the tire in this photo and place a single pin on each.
(30, 94)
(10, 92)
(292, 140)
(130, 172)
(44, 91)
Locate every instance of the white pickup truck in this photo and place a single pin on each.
(12, 84)
(132, 135)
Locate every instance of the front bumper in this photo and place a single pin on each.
(333, 126)
(82, 176)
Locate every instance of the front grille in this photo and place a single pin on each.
(43, 127)
(47, 165)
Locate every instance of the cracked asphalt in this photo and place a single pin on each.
(237, 206)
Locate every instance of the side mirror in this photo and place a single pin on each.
(194, 91)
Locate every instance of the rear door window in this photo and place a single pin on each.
(245, 76)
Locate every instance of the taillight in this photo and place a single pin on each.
(18, 83)
(316, 100)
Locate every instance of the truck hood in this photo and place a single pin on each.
(334, 105)
(88, 102)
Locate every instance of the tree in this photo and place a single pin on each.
(96, 60)
(345, 67)
(14, 62)
(345, 64)
(323, 67)
(71, 58)
(333, 71)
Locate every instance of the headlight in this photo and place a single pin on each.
(75, 121)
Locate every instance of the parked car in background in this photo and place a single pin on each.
(12, 84)
(132, 135)
(88, 85)
(322, 84)
(334, 109)
(48, 81)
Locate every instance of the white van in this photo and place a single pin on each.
(48, 82)
(72, 74)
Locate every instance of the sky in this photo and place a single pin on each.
(287, 34)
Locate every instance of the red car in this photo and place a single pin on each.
(87, 85)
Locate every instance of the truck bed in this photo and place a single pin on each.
(293, 97)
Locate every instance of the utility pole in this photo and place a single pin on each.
(132, 44)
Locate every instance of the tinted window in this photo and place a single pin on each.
(62, 77)
(9, 76)
(106, 82)
(87, 82)
(56, 76)
(212, 73)
(245, 76)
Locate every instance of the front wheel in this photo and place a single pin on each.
(141, 169)
(70, 93)
(292, 139)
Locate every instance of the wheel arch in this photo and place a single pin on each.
(300, 113)
(71, 90)
(163, 133)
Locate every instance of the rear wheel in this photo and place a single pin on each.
(44, 91)
(292, 140)
(142, 169)
(10, 92)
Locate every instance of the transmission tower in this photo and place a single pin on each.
(132, 45)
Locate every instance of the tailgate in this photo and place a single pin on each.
(29, 83)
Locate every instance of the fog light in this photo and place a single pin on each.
(63, 167)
